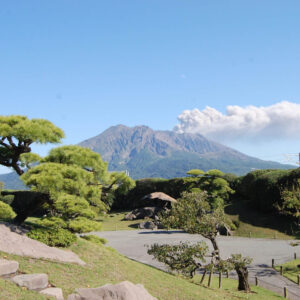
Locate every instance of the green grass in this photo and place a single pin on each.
(259, 225)
(105, 265)
(114, 221)
(290, 269)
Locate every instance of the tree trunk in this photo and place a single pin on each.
(243, 279)
(216, 247)
(203, 276)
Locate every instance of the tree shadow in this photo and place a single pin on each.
(161, 231)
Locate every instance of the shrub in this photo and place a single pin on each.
(6, 212)
(52, 222)
(53, 237)
(94, 239)
(81, 225)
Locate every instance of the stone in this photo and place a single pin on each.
(55, 292)
(148, 225)
(8, 266)
(122, 291)
(32, 281)
(74, 297)
(141, 213)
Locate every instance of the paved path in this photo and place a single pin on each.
(133, 244)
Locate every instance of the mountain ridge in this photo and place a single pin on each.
(141, 149)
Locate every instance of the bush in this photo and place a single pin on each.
(52, 222)
(82, 225)
(53, 237)
(94, 239)
(6, 212)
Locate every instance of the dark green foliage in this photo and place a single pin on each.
(94, 239)
(183, 258)
(18, 133)
(24, 202)
(57, 237)
(173, 187)
(262, 188)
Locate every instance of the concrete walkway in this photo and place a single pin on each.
(133, 244)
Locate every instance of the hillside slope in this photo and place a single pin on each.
(148, 153)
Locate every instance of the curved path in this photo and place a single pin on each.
(133, 244)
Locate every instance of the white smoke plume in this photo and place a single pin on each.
(278, 121)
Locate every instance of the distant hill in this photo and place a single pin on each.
(148, 153)
(12, 181)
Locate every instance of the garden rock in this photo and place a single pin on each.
(32, 281)
(141, 213)
(8, 266)
(148, 225)
(55, 292)
(122, 291)
(19, 244)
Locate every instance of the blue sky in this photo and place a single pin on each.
(88, 65)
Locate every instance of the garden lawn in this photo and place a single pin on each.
(105, 265)
(290, 269)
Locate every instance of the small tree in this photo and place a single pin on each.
(240, 263)
(291, 201)
(17, 133)
(193, 214)
(68, 180)
(212, 181)
(183, 258)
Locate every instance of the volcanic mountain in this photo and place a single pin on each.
(144, 152)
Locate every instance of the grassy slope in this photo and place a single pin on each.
(290, 269)
(105, 265)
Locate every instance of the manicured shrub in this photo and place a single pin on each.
(6, 212)
(82, 225)
(57, 237)
(94, 239)
(52, 222)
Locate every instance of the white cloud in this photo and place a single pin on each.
(281, 120)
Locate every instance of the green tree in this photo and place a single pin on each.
(68, 178)
(182, 258)
(193, 213)
(291, 201)
(212, 181)
(240, 264)
(18, 133)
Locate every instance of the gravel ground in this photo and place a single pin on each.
(133, 243)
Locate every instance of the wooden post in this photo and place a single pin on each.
(203, 276)
(273, 262)
(298, 279)
(209, 277)
(295, 255)
(281, 270)
(256, 281)
(227, 274)
(284, 292)
(220, 280)
(250, 234)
